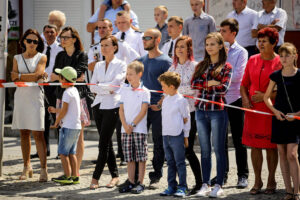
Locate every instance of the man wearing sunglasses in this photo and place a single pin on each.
(52, 48)
(155, 64)
(125, 52)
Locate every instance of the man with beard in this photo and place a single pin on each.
(155, 64)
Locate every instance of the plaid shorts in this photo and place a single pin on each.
(135, 147)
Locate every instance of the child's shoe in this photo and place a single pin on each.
(127, 187)
(181, 192)
(63, 180)
(168, 192)
(204, 191)
(138, 189)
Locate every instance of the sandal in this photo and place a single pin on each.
(270, 191)
(27, 172)
(288, 196)
(255, 191)
(94, 186)
(114, 182)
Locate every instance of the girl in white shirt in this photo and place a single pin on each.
(108, 73)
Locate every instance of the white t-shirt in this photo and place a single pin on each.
(72, 117)
(132, 101)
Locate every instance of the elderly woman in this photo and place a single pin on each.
(74, 56)
(112, 71)
(184, 64)
(258, 128)
(29, 111)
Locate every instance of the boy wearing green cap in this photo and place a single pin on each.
(69, 116)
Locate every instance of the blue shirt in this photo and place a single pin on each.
(111, 14)
(237, 57)
(153, 68)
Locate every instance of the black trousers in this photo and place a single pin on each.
(190, 153)
(154, 119)
(119, 140)
(106, 122)
(236, 120)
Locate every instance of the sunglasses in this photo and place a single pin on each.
(147, 38)
(65, 37)
(29, 41)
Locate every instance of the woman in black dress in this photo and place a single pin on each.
(285, 130)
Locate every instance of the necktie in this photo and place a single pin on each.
(48, 55)
(123, 36)
(170, 50)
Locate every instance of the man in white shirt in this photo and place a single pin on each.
(246, 19)
(125, 52)
(126, 33)
(52, 48)
(271, 17)
(175, 25)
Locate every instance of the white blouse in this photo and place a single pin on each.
(186, 72)
(115, 74)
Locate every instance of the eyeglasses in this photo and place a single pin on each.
(65, 37)
(29, 41)
(147, 38)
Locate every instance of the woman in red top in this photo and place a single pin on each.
(258, 128)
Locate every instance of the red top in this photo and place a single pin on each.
(257, 127)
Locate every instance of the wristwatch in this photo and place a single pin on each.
(133, 124)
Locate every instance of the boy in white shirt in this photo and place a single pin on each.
(175, 130)
(69, 115)
(134, 102)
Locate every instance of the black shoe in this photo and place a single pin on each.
(36, 155)
(94, 161)
(118, 156)
(123, 184)
(57, 157)
(154, 183)
(48, 153)
(127, 187)
(122, 163)
(195, 189)
(138, 189)
(214, 180)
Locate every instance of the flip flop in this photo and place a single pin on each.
(94, 186)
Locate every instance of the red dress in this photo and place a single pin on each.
(257, 127)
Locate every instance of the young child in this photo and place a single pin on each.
(106, 4)
(134, 102)
(69, 114)
(160, 16)
(175, 131)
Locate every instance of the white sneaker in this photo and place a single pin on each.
(216, 192)
(203, 192)
(242, 182)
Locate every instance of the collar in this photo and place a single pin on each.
(129, 31)
(234, 45)
(244, 11)
(164, 26)
(274, 11)
(201, 15)
(140, 86)
(54, 44)
(174, 41)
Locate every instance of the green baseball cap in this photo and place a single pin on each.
(68, 73)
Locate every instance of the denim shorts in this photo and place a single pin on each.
(68, 141)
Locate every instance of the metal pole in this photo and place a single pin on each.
(3, 55)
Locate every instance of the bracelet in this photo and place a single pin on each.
(158, 106)
(19, 76)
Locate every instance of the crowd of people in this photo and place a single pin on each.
(244, 64)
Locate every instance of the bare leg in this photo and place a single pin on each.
(65, 161)
(292, 157)
(26, 146)
(284, 166)
(131, 171)
(272, 161)
(73, 162)
(41, 147)
(80, 148)
(257, 161)
(142, 171)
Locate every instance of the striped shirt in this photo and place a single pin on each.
(213, 93)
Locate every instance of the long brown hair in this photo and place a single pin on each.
(189, 44)
(74, 33)
(40, 46)
(203, 65)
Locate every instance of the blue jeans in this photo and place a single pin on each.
(68, 141)
(175, 155)
(212, 124)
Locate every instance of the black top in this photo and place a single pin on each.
(292, 85)
(79, 61)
